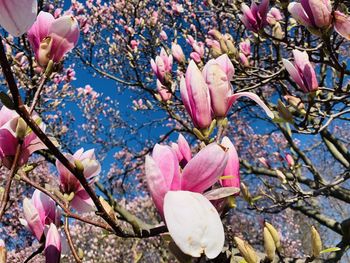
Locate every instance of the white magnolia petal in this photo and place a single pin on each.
(193, 223)
(221, 192)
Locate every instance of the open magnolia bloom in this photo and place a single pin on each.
(193, 223)
(70, 185)
(218, 74)
(17, 16)
(315, 15)
(301, 71)
(13, 130)
(254, 17)
(200, 173)
(52, 38)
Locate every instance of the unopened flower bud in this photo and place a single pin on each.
(274, 234)
(290, 160)
(215, 34)
(316, 242)
(245, 192)
(21, 129)
(269, 245)
(246, 250)
(295, 103)
(284, 112)
(281, 176)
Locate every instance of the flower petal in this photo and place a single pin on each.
(254, 97)
(17, 16)
(204, 169)
(194, 224)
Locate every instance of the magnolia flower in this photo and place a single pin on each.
(342, 24)
(179, 193)
(53, 245)
(254, 18)
(195, 96)
(70, 184)
(52, 38)
(244, 47)
(273, 16)
(17, 16)
(39, 211)
(313, 14)
(162, 66)
(198, 49)
(201, 172)
(177, 53)
(13, 130)
(164, 93)
(218, 74)
(302, 72)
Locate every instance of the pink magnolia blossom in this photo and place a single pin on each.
(195, 96)
(342, 24)
(313, 14)
(254, 18)
(198, 49)
(164, 93)
(53, 245)
(39, 211)
(244, 47)
(177, 53)
(201, 172)
(232, 167)
(290, 160)
(244, 59)
(218, 74)
(9, 140)
(274, 16)
(162, 66)
(302, 72)
(70, 184)
(52, 38)
(163, 35)
(17, 16)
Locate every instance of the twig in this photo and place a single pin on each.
(70, 241)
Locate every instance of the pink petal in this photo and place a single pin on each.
(167, 161)
(254, 97)
(299, 14)
(17, 16)
(156, 183)
(53, 245)
(342, 24)
(294, 74)
(204, 169)
(65, 34)
(184, 148)
(32, 217)
(232, 167)
(39, 30)
(82, 202)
